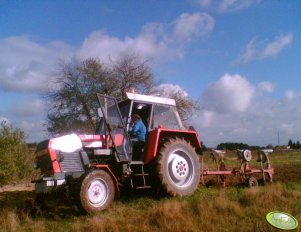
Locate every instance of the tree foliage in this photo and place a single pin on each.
(72, 100)
(294, 145)
(185, 105)
(232, 146)
(237, 146)
(15, 157)
(130, 73)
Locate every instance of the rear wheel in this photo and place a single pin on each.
(97, 191)
(178, 167)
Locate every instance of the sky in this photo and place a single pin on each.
(239, 59)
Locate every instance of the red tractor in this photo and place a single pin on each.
(93, 169)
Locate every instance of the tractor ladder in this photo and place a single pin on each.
(138, 176)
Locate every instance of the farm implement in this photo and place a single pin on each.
(244, 171)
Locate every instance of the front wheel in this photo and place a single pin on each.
(179, 168)
(97, 191)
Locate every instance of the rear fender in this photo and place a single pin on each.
(159, 134)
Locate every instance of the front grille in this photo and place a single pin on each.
(71, 162)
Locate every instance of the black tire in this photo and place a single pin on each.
(178, 167)
(252, 182)
(96, 192)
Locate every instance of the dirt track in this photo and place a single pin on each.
(17, 187)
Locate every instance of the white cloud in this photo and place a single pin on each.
(287, 128)
(231, 93)
(100, 44)
(27, 108)
(223, 6)
(167, 90)
(259, 50)
(228, 115)
(190, 26)
(26, 65)
(259, 125)
(34, 129)
(266, 86)
(276, 46)
(155, 40)
(236, 5)
(204, 118)
(204, 3)
(290, 94)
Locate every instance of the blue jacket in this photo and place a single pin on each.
(138, 130)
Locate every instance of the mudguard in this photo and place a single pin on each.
(159, 134)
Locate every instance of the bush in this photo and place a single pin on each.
(15, 156)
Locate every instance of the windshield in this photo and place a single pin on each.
(166, 116)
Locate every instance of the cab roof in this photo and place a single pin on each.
(150, 99)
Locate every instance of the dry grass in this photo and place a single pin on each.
(210, 209)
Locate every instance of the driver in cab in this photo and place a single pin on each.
(137, 130)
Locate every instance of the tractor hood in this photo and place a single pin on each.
(53, 154)
(67, 143)
(74, 142)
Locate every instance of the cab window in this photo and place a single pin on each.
(166, 116)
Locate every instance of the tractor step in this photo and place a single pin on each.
(145, 174)
(143, 187)
(138, 176)
(136, 163)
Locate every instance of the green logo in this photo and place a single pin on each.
(282, 220)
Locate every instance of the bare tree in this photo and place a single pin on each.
(129, 72)
(185, 105)
(73, 103)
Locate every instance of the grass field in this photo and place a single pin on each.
(235, 208)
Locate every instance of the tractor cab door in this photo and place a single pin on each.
(114, 130)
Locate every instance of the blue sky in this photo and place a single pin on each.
(240, 59)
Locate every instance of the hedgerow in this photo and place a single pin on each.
(15, 156)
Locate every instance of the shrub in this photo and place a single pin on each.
(15, 157)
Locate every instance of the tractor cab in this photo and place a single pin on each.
(155, 112)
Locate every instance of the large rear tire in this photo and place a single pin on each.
(178, 167)
(97, 191)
